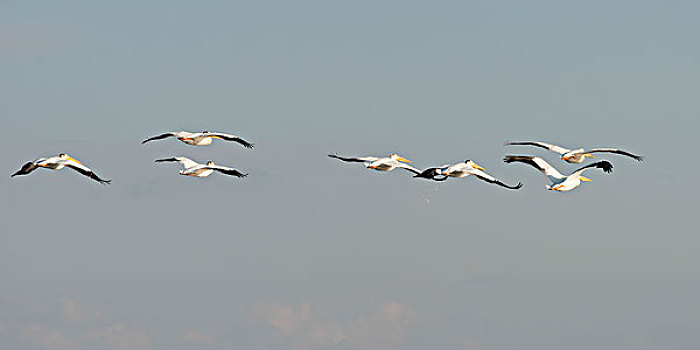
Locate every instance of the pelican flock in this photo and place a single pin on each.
(192, 168)
(558, 182)
(57, 163)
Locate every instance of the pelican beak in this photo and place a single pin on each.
(585, 179)
(477, 166)
(588, 155)
(402, 159)
(216, 137)
(566, 158)
(75, 160)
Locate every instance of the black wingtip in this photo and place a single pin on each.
(606, 166)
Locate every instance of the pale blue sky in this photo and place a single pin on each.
(311, 253)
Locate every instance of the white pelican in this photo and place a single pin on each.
(576, 155)
(203, 138)
(464, 169)
(59, 162)
(381, 164)
(192, 168)
(559, 182)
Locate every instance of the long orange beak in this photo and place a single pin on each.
(216, 137)
(588, 155)
(566, 158)
(585, 179)
(75, 160)
(402, 159)
(477, 166)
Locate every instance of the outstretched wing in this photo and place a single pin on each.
(409, 168)
(229, 137)
(488, 178)
(186, 162)
(549, 146)
(26, 169)
(618, 151)
(432, 174)
(536, 162)
(227, 170)
(159, 137)
(86, 171)
(603, 164)
(354, 159)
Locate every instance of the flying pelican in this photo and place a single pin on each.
(576, 155)
(381, 164)
(468, 167)
(192, 168)
(59, 162)
(203, 138)
(559, 182)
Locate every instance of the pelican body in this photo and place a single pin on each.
(192, 168)
(576, 156)
(203, 138)
(380, 164)
(57, 163)
(558, 181)
(459, 170)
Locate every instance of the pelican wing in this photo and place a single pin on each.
(186, 162)
(618, 151)
(159, 137)
(355, 159)
(432, 174)
(488, 178)
(85, 171)
(536, 162)
(409, 168)
(26, 169)
(229, 137)
(227, 170)
(553, 148)
(603, 164)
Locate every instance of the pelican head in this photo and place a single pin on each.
(65, 156)
(210, 163)
(474, 165)
(398, 158)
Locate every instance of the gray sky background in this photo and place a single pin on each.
(311, 253)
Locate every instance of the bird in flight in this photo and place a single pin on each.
(464, 169)
(559, 182)
(192, 168)
(576, 155)
(389, 163)
(59, 162)
(203, 138)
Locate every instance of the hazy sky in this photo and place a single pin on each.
(311, 253)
